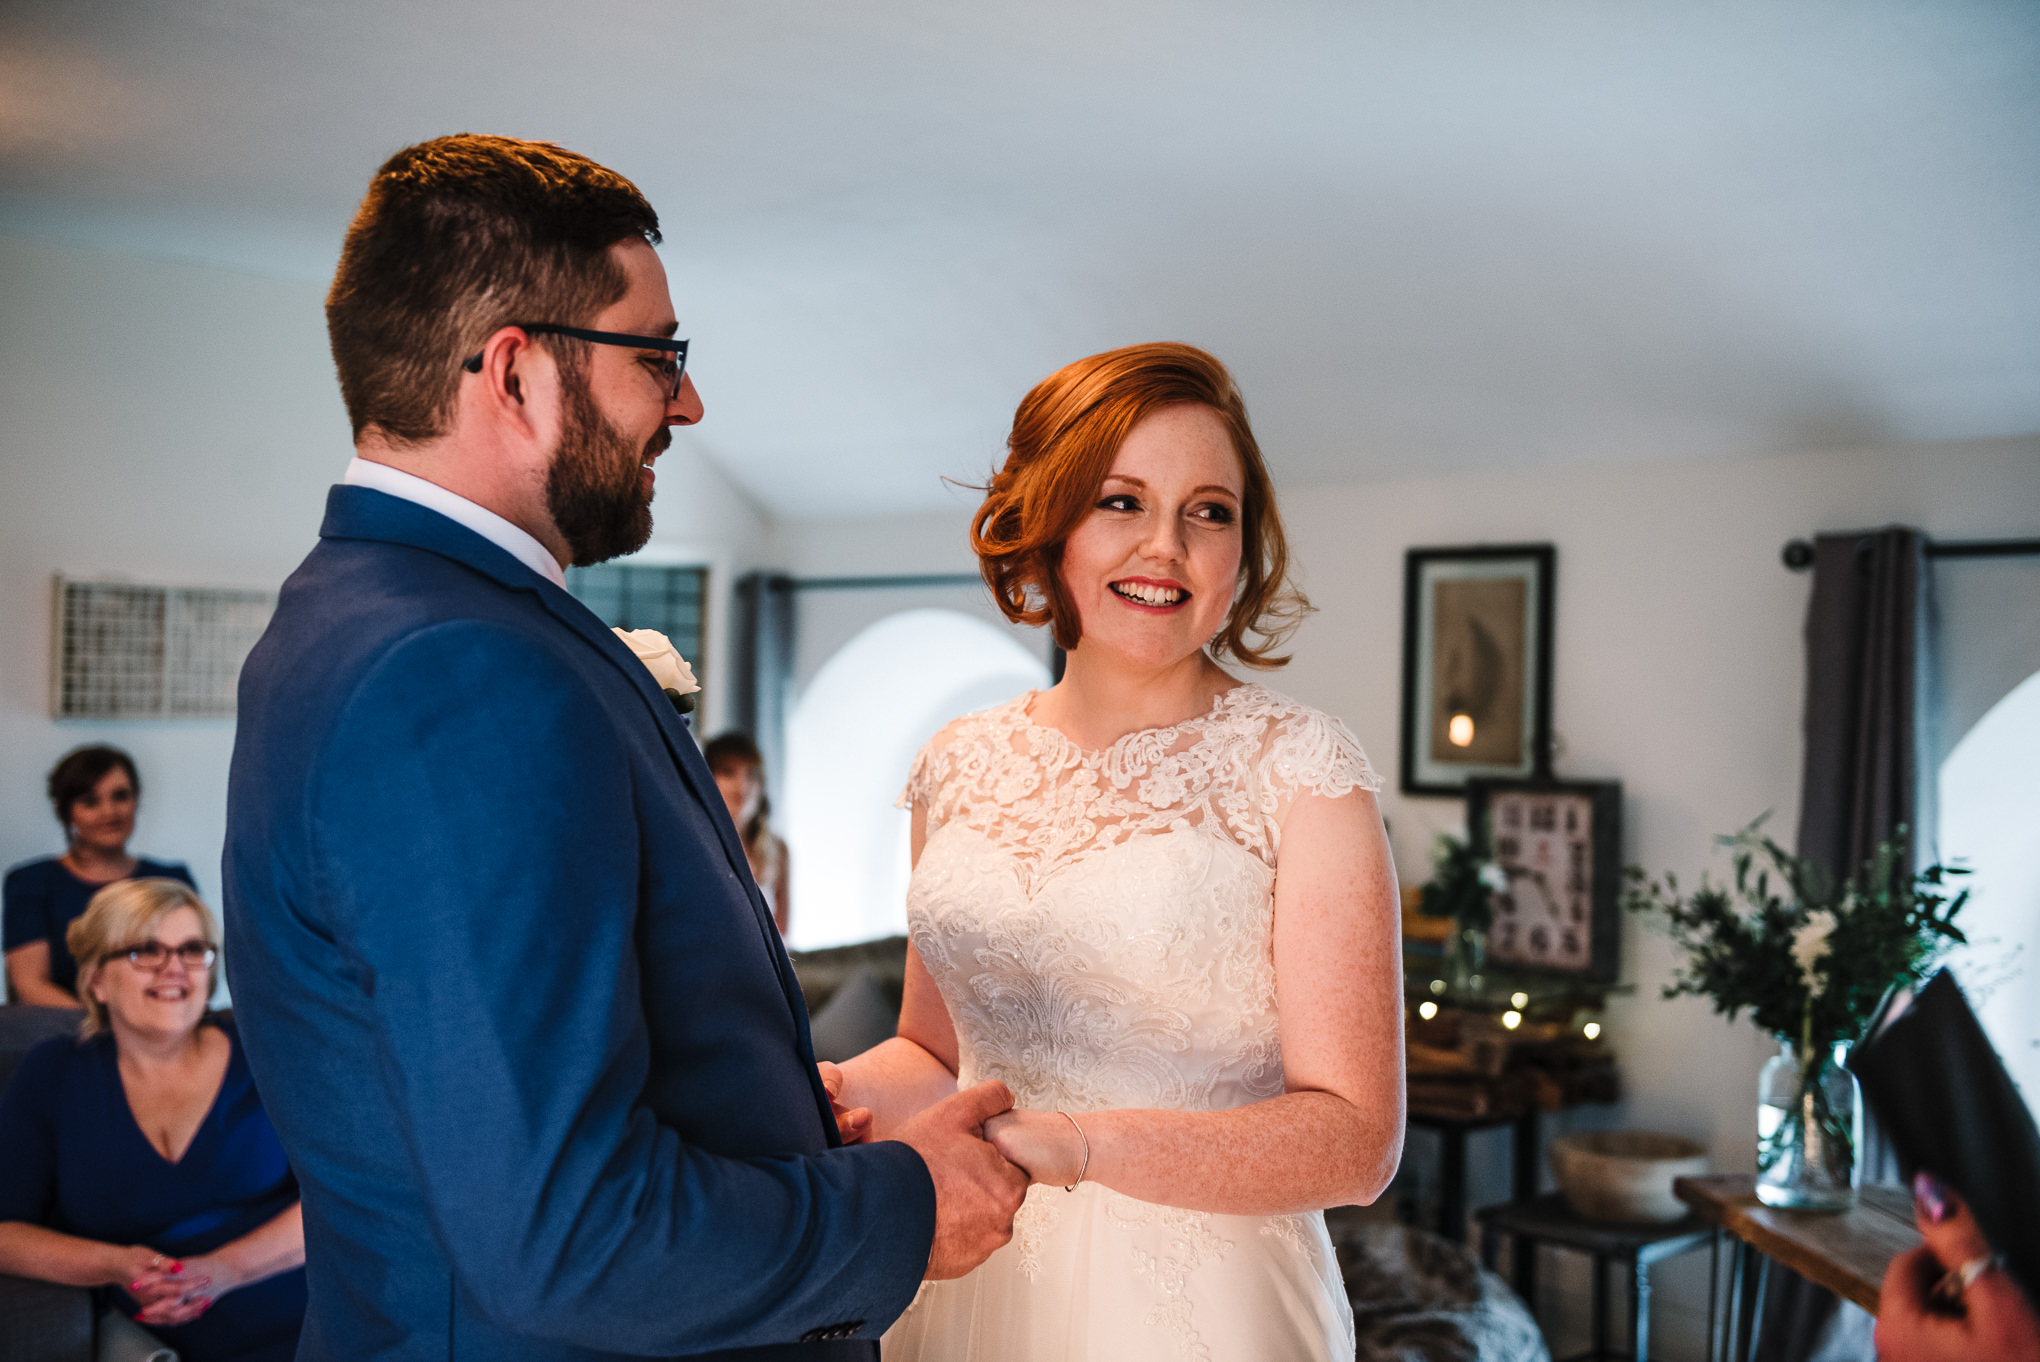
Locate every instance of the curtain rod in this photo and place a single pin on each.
(1798, 553)
(896, 580)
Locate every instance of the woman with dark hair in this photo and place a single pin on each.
(1155, 900)
(95, 791)
(740, 774)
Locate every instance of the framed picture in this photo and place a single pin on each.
(1560, 844)
(1476, 698)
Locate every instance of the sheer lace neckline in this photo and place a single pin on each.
(1164, 734)
(1232, 772)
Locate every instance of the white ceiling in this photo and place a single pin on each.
(1428, 236)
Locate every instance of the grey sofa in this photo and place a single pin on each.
(39, 1321)
(853, 994)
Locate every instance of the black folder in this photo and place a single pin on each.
(1947, 1105)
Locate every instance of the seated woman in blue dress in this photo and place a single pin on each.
(138, 1159)
(95, 791)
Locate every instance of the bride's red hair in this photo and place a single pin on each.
(1065, 436)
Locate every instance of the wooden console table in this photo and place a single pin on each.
(1846, 1252)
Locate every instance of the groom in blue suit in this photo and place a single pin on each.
(513, 1001)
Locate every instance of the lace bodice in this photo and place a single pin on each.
(1100, 923)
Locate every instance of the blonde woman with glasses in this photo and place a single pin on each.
(138, 1156)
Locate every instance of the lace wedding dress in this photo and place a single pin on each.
(1100, 926)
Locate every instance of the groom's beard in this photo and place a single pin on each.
(593, 488)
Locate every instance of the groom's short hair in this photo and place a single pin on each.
(457, 238)
(1065, 436)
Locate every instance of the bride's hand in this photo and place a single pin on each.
(852, 1123)
(1042, 1142)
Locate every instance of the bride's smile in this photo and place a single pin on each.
(1153, 566)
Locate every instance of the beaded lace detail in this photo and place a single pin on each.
(1100, 925)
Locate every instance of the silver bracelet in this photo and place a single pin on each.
(1085, 1167)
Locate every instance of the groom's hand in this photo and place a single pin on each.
(976, 1191)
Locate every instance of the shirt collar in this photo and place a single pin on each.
(516, 542)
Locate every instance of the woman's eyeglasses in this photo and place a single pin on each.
(153, 956)
(673, 369)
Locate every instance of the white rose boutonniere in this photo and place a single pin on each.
(669, 670)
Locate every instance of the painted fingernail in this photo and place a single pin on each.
(177, 1267)
(1932, 1196)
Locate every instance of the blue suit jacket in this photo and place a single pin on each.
(512, 999)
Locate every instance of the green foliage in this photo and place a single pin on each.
(1883, 927)
(1462, 885)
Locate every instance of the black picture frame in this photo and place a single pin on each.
(1560, 844)
(1485, 612)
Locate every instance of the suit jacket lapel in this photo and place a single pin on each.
(364, 513)
(694, 770)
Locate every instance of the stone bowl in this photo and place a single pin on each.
(1625, 1175)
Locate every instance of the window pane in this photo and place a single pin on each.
(668, 599)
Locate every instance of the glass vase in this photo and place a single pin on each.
(1469, 957)
(1809, 1114)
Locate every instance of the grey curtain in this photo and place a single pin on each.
(1863, 687)
(761, 647)
(1865, 651)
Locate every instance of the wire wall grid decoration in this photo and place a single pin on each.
(127, 650)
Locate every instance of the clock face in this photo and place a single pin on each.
(1545, 844)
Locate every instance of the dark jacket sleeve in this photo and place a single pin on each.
(473, 826)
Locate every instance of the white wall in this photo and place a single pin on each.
(1679, 667)
(166, 423)
(175, 423)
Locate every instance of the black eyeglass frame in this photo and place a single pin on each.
(206, 954)
(473, 364)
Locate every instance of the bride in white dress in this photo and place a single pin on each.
(1156, 902)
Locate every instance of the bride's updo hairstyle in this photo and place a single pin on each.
(1065, 436)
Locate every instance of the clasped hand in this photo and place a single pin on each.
(174, 1291)
(1043, 1144)
(981, 1156)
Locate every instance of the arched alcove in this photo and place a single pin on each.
(1990, 819)
(849, 741)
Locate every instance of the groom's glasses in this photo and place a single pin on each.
(670, 371)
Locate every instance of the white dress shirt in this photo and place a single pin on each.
(483, 521)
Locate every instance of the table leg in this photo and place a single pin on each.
(1524, 1172)
(1490, 1246)
(1639, 1309)
(1713, 1291)
(1763, 1267)
(1731, 1322)
(1600, 1306)
(1452, 1184)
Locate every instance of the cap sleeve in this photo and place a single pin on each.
(1310, 752)
(922, 777)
